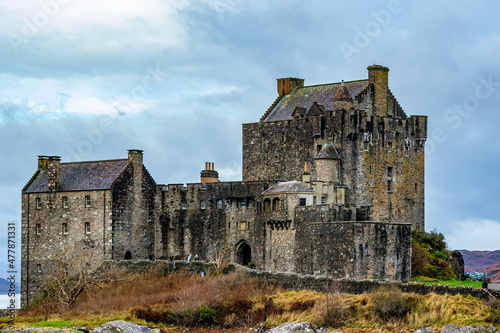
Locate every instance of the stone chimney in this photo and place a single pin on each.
(379, 77)
(209, 175)
(135, 156)
(42, 162)
(53, 169)
(287, 85)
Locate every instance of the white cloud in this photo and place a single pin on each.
(475, 234)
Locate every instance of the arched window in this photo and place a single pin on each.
(267, 205)
(276, 204)
(128, 255)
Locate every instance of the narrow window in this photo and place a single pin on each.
(389, 146)
(64, 202)
(183, 205)
(389, 185)
(314, 200)
(302, 201)
(389, 172)
(88, 201)
(64, 228)
(318, 147)
(38, 203)
(365, 145)
(38, 229)
(243, 203)
(323, 200)
(150, 217)
(203, 204)
(267, 205)
(276, 204)
(39, 268)
(87, 227)
(219, 203)
(416, 188)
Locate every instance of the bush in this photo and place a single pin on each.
(420, 259)
(494, 310)
(302, 305)
(251, 264)
(335, 310)
(388, 304)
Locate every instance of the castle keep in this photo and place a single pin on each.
(332, 184)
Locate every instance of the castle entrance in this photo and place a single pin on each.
(243, 253)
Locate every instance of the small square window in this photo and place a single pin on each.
(38, 203)
(39, 268)
(64, 202)
(302, 201)
(64, 228)
(88, 201)
(243, 203)
(87, 227)
(365, 145)
(323, 200)
(38, 229)
(203, 205)
(219, 203)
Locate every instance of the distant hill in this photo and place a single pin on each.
(481, 261)
(494, 273)
(5, 285)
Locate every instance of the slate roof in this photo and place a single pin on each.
(81, 176)
(328, 152)
(305, 97)
(282, 187)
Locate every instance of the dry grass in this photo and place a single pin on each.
(235, 300)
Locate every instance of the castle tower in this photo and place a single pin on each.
(327, 164)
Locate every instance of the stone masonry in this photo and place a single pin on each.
(333, 184)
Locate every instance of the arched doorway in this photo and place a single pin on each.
(128, 255)
(243, 253)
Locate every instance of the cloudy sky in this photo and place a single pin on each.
(88, 80)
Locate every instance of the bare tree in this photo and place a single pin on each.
(77, 269)
(221, 254)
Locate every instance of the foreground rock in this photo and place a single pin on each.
(298, 327)
(115, 326)
(120, 326)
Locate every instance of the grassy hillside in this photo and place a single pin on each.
(234, 300)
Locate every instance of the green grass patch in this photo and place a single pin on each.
(58, 323)
(451, 283)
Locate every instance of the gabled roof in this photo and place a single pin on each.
(287, 187)
(80, 176)
(304, 97)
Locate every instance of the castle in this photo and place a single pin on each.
(333, 184)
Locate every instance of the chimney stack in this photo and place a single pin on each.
(379, 77)
(53, 169)
(135, 156)
(287, 85)
(209, 175)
